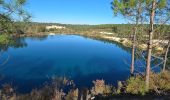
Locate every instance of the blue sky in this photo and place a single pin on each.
(73, 11)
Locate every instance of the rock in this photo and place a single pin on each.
(52, 34)
(159, 49)
(143, 46)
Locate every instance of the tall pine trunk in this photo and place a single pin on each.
(148, 65)
(132, 67)
(133, 52)
(166, 56)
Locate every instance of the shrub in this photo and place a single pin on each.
(72, 95)
(160, 82)
(136, 85)
(101, 88)
(7, 93)
(4, 39)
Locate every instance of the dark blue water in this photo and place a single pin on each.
(33, 61)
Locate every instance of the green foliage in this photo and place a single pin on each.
(5, 24)
(160, 81)
(41, 29)
(136, 86)
(148, 2)
(128, 8)
(132, 3)
(119, 30)
(162, 3)
(118, 7)
(12, 10)
(4, 39)
(20, 2)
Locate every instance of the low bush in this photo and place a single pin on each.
(5, 39)
(160, 82)
(136, 85)
(101, 88)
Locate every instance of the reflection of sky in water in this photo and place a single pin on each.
(78, 58)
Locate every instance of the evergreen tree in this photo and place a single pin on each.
(132, 10)
(11, 12)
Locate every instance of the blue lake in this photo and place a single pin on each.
(34, 61)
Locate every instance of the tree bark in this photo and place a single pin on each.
(148, 65)
(133, 52)
(134, 39)
(166, 56)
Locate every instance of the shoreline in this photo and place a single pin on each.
(157, 44)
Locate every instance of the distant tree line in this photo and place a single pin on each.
(120, 30)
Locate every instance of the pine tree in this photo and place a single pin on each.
(132, 10)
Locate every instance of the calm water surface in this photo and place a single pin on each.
(35, 60)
